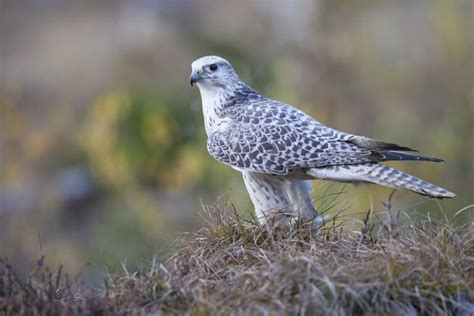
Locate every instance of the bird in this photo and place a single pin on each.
(279, 149)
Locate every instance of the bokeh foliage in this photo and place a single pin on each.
(102, 145)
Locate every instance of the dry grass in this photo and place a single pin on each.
(235, 266)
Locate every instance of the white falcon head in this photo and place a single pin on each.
(212, 72)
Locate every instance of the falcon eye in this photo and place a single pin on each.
(213, 67)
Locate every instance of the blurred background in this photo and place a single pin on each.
(102, 143)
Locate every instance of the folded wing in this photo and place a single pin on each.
(275, 138)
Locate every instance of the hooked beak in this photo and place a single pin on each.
(195, 77)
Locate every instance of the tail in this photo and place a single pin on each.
(382, 175)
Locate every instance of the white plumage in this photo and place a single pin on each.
(278, 148)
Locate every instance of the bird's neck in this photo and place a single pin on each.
(216, 100)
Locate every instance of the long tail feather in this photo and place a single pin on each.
(382, 175)
(394, 178)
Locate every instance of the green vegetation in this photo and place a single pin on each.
(102, 143)
(235, 266)
(103, 154)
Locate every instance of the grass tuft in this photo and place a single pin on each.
(234, 265)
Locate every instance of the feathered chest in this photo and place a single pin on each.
(212, 108)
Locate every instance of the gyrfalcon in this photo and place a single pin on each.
(279, 148)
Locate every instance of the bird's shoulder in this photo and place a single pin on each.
(258, 110)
